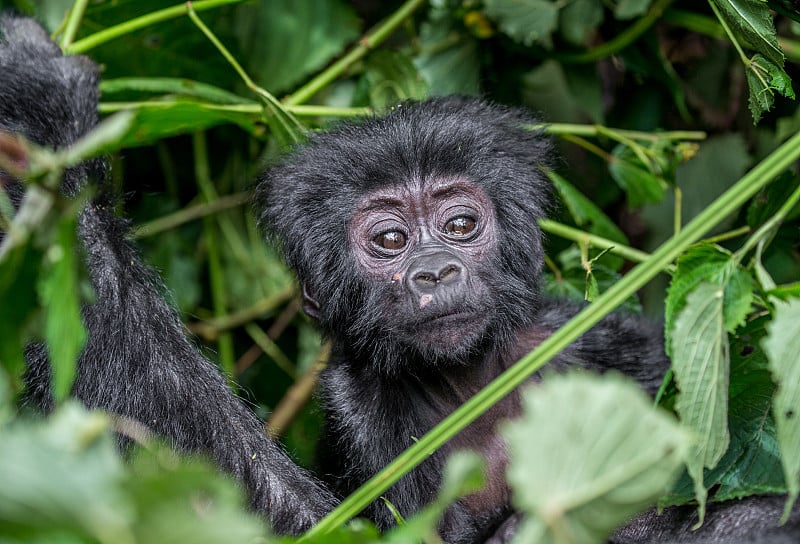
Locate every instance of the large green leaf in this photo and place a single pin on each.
(157, 120)
(628, 9)
(391, 77)
(59, 291)
(526, 21)
(783, 349)
(64, 481)
(170, 86)
(713, 264)
(752, 22)
(750, 466)
(448, 59)
(701, 363)
(175, 48)
(579, 19)
(584, 212)
(640, 183)
(588, 454)
(283, 41)
(19, 272)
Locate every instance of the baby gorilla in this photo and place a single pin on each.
(416, 242)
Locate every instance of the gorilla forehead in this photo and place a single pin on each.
(450, 136)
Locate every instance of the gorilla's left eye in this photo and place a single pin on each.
(460, 226)
(393, 240)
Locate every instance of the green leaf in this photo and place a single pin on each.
(764, 79)
(284, 126)
(288, 40)
(616, 454)
(579, 19)
(19, 272)
(584, 212)
(738, 299)
(750, 466)
(448, 58)
(64, 481)
(783, 350)
(752, 22)
(526, 21)
(701, 364)
(103, 138)
(572, 280)
(59, 291)
(392, 78)
(711, 264)
(172, 86)
(628, 9)
(637, 179)
(788, 8)
(158, 120)
(61, 476)
(770, 199)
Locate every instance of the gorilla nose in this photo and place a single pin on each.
(435, 271)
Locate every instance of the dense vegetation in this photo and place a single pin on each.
(679, 137)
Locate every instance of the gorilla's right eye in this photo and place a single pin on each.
(392, 240)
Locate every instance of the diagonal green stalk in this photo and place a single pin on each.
(73, 22)
(365, 45)
(117, 31)
(621, 41)
(580, 236)
(726, 204)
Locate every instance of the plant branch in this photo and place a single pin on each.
(583, 237)
(73, 23)
(620, 41)
(192, 213)
(117, 31)
(365, 45)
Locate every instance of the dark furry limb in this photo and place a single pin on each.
(138, 362)
(356, 210)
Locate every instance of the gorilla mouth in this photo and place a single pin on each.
(451, 327)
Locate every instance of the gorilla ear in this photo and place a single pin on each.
(310, 304)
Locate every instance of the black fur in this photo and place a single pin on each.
(389, 380)
(384, 385)
(411, 385)
(138, 362)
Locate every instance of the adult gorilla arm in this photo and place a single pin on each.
(137, 362)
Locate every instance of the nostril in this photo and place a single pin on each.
(449, 273)
(425, 279)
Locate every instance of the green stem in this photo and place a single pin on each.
(117, 31)
(185, 215)
(596, 131)
(252, 108)
(722, 207)
(729, 33)
(216, 274)
(580, 236)
(290, 125)
(365, 45)
(620, 41)
(73, 23)
(269, 347)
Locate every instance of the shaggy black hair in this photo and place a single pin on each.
(137, 362)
